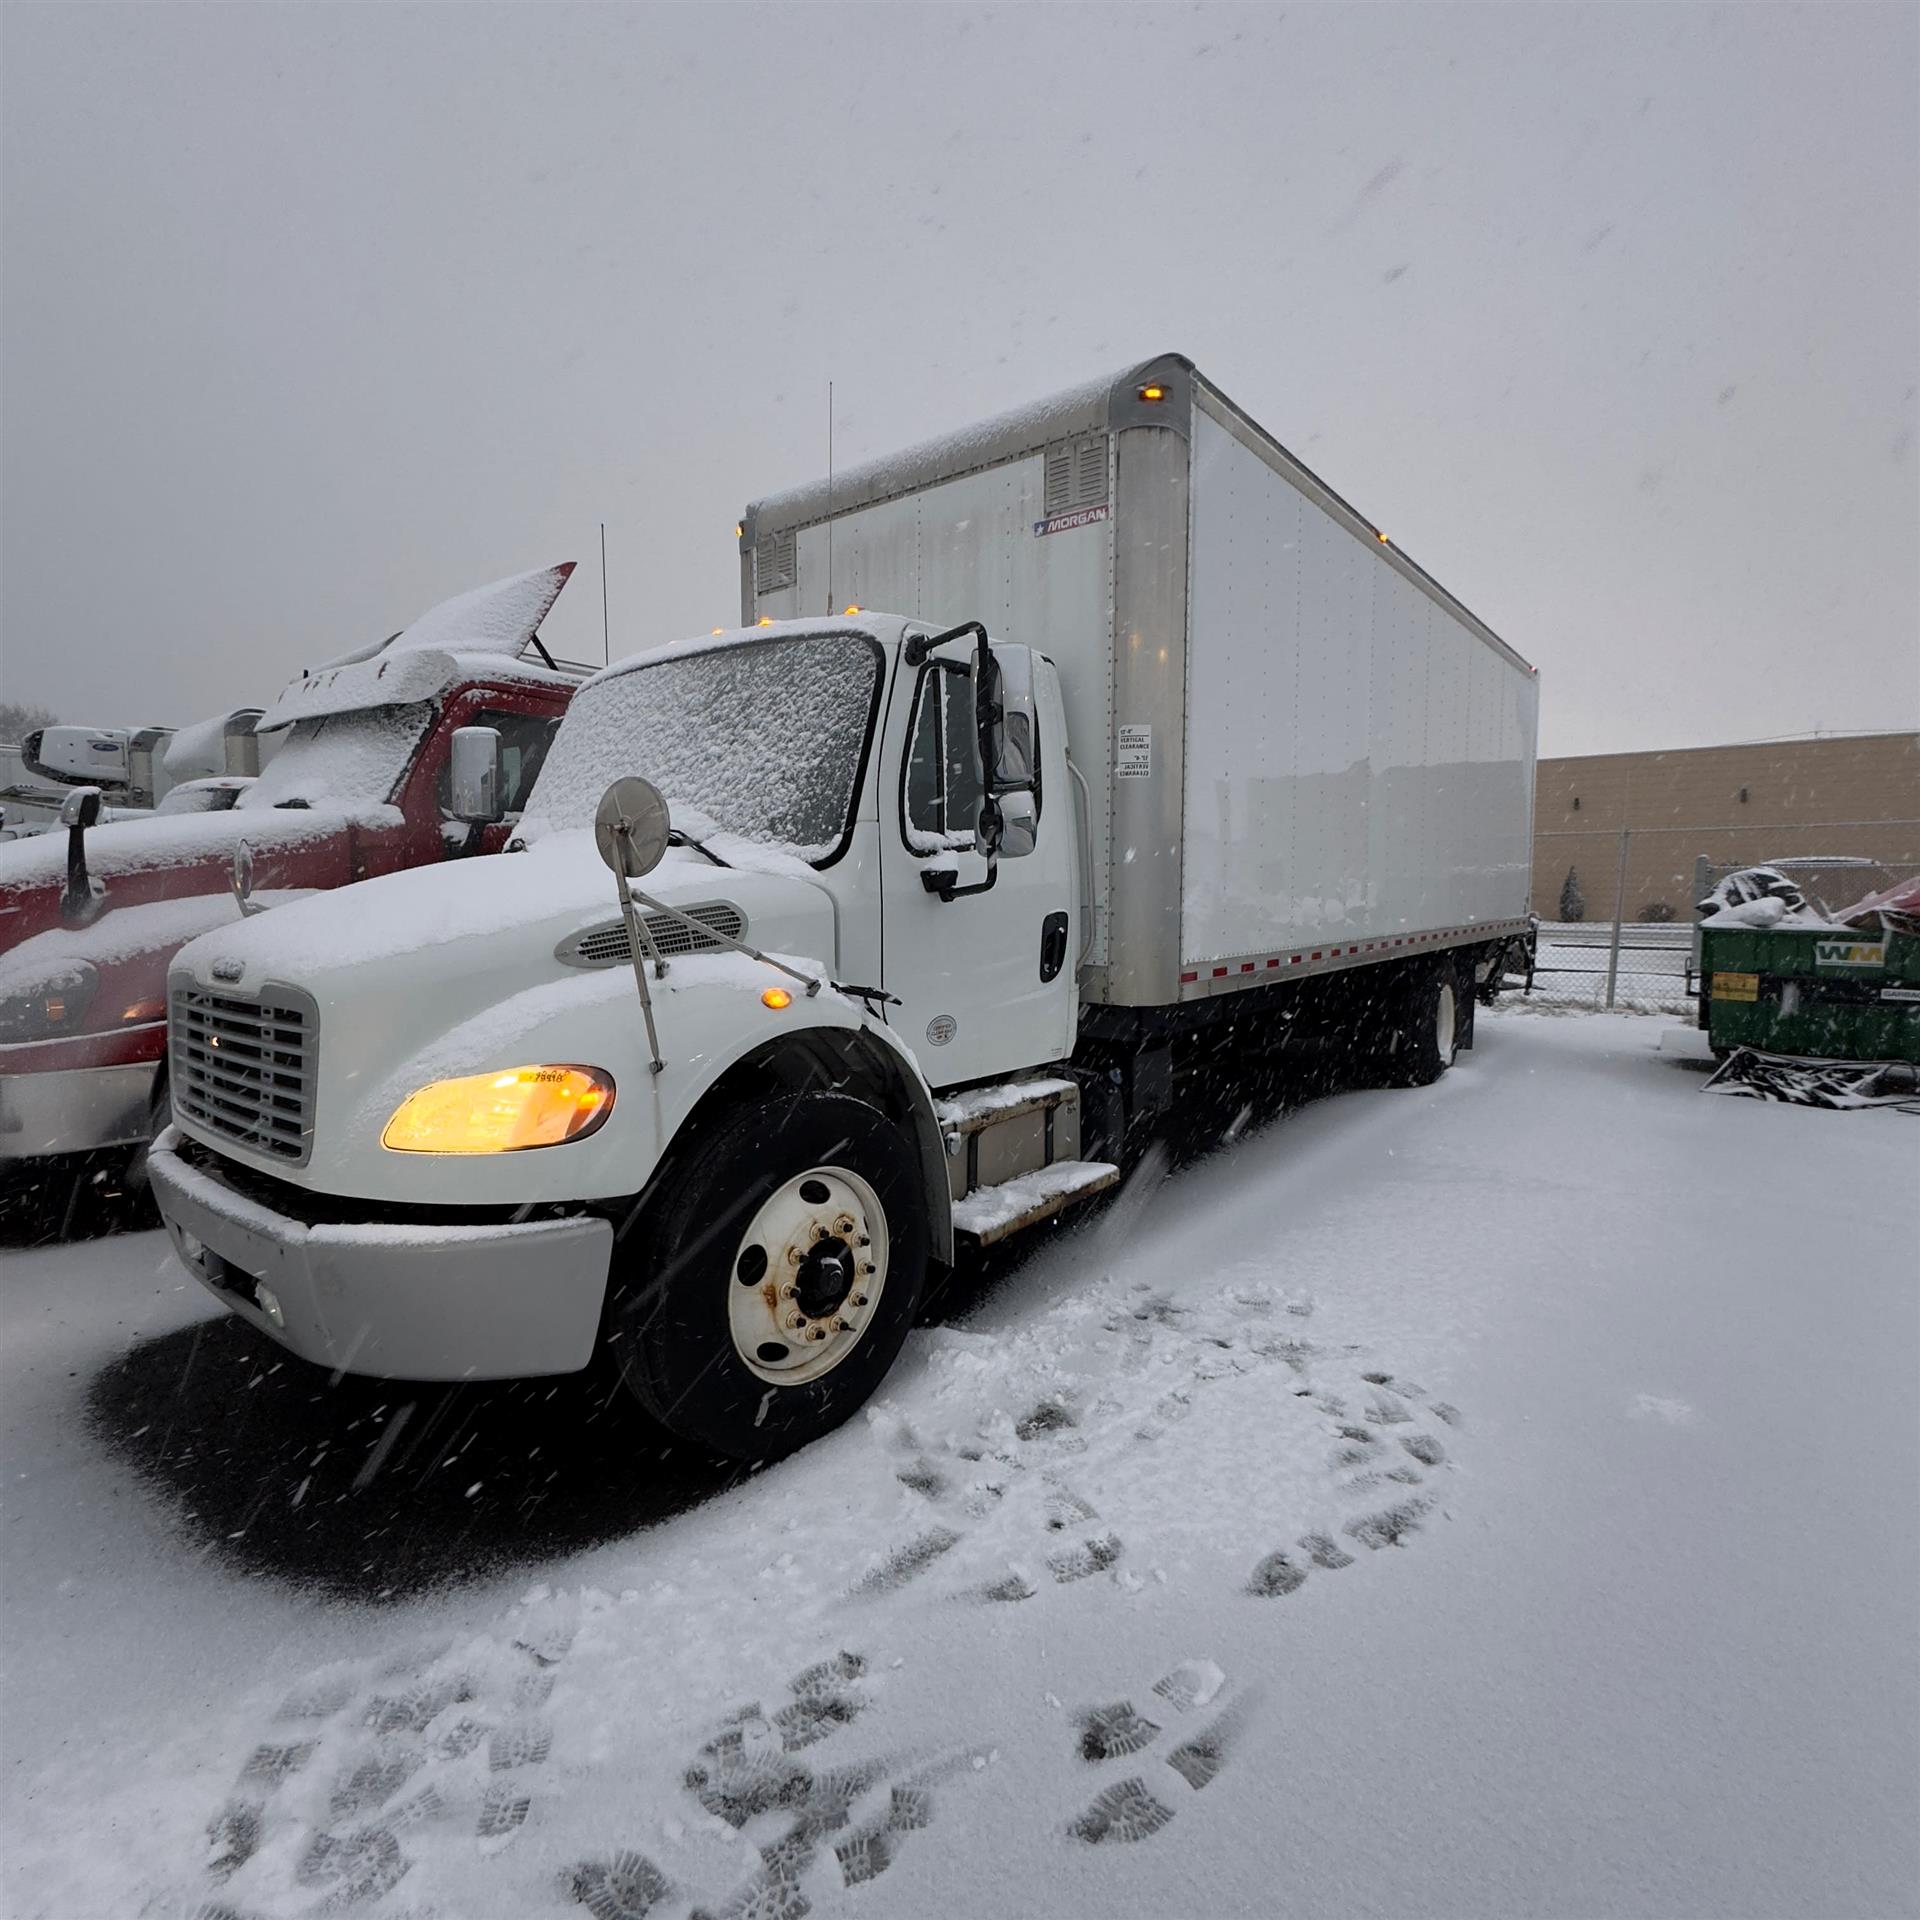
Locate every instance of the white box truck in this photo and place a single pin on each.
(915, 920)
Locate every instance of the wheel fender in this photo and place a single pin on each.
(835, 1047)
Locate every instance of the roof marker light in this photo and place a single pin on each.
(765, 620)
(719, 629)
(853, 609)
(1152, 393)
(1383, 539)
(739, 527)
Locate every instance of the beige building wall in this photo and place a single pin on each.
(1737, 805)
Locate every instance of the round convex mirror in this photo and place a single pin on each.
(630, 826)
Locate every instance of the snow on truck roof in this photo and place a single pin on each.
(482, 634)
(1157, 392)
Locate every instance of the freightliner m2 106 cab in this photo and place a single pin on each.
(844, 937)
(360, 783)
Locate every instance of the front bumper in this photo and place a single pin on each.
(74, 1110)
(409, 1302)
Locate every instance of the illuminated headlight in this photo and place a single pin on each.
(501, 1112)
(52, 1001)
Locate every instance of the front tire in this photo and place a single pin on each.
(775, 1277)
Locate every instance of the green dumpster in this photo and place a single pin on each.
(1827, 993)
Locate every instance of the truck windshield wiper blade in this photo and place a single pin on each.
(679, 837)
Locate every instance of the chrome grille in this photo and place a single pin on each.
(245, 1069)
(606, 946)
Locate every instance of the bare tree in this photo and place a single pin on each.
(18, 719)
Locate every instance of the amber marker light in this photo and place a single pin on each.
(1153, 393)
(503, 1112)
(1383, 539)
(765, 620)
(778, 998)
(853, 609)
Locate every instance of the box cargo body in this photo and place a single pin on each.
(1301, 753)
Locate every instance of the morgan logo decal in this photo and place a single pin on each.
(1065, 522)
(1850, 953)
(227, 969)
(941, 1028)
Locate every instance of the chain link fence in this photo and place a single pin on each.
(1620, 932)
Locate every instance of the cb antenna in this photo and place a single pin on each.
(606, 638)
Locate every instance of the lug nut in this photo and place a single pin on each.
(859, 1299)
(789, 1293)
(796, 1321)
(867, 1266)
(816, 1333)
(863, 1241)
(840, 1326)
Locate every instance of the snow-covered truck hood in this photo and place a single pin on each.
(473, 967)
(148, 842)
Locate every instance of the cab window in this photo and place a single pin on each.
(943, 765)
(524, 740)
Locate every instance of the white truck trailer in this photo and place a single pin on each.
(1160, 748)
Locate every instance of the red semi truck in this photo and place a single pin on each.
(368, 778)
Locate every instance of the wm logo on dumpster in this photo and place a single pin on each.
(1850, 953)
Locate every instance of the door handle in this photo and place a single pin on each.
(1053, 945)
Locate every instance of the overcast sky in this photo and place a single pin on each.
(315, 314)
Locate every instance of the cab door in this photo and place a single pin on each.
(986, 978)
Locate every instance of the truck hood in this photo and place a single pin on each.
(501, 920)
(478, 964)
(150, 842)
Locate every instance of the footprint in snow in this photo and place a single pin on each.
(1136, 1807)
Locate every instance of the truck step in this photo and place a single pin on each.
(994, 1134)
(992, 1213)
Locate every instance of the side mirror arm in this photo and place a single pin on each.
(945, 882)
(78, 812)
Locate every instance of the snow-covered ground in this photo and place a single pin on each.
(1493, 1499)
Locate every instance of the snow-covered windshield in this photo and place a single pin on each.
(761, 739)
(341, 759)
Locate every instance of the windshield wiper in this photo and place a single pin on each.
(680, 837)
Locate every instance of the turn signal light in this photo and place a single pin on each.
(501, 1112)
(1153, 393)
(776, 998)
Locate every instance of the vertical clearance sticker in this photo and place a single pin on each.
(1133, 754)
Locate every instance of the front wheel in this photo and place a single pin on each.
(770, 1289)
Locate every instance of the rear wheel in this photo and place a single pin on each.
(776, 1277)
(1429, 1034)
